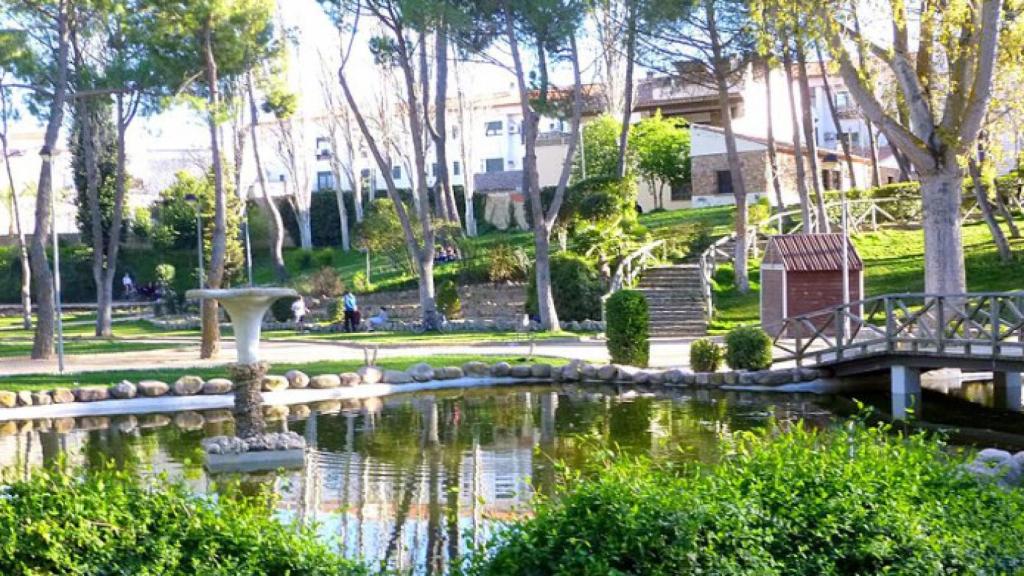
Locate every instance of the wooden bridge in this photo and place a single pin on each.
(906, 334)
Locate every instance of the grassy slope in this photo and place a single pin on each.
(893, 263)
(49, 381)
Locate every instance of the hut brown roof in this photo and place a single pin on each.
(811, 252)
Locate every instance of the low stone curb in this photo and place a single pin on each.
(295, 387)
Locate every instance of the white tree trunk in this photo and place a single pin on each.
(943, 239)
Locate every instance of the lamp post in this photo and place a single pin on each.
(832, 163)
(47, 156)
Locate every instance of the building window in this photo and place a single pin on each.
(681, 192)
(724, 182)
(493, 128)
(456, 168)
(851, 138)
(455, 131)
(832, 179)
(494, 165)
(843, 100)
(435, 169)
(323, 148)
(324, 181)
(365, 173)
(396, 172)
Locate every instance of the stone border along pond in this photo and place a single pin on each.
(190, 393)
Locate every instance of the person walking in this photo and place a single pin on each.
(299, 311)
(351, 311)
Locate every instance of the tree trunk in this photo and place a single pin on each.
(876, 172)
(720, 70)
(798, 154)
(1005, 255)
(835, 118)
(276, 223)
(810, 139)
(42, 343)
(773, 156)
(465, 119)
(1007, 215)
(943, 239)
(627, 108)
(210, 345)
(441, 124)
(92, 197)
(105, 315)
(305, 226)
(26, 271)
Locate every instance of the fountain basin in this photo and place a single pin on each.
(246, 307)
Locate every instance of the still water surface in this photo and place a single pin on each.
(411, 481)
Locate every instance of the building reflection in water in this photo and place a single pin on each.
(411, 482)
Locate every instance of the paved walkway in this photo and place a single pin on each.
(664, 353)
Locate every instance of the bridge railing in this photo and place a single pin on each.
(977, 325)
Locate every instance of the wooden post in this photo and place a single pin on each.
(995, 326)
(940, 344)
(890, 329)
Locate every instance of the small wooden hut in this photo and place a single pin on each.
(803, 273)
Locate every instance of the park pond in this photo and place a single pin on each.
(412, 481)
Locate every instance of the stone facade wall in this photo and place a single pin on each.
(479, 301)
(704, 173)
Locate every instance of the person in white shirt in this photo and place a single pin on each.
(299, 311)
(128, 283)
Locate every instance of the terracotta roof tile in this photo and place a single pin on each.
(813, 252)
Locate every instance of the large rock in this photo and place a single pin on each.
(773, 377)
(674, 377)
(476, 368)
(421, 372)
(999, 465)
(588, 372)
(571, 371)
(641, 377)
(397, 377)
(324, 381)
(218, 386)
(188, 386)
(147, 388)
(123, 390)
(349, 379)
(8, 399)
(25, 398)
(449, 373)
(500, 369)
(300, 411)
(92, 393)
(297, 379)
(540, 371)
(276, 412)
(658, 378)
(520, 371)
(42, 398)
(370, 374)
(62, 396)
(607, 373)
(274, 383)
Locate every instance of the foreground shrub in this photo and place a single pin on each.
(748, 348)
(576, 288)
(111, 523)
(448, 302)
(854, 500)
(627, 328)
(705, 355)
(507, 264)
(326, 283)
(336, 311)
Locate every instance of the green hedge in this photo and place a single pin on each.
(627, 328)
(111, 523)
(705, 355)
(323, 218)
(793, 501)
(577, 288)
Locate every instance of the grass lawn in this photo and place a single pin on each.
(49, 381)
(427, 338)
(12, 348)
(893, 263)
(128, 329)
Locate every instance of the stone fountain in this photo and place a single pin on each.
(252, 448)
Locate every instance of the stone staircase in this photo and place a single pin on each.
(674, 300)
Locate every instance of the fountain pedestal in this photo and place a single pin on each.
(252, 448)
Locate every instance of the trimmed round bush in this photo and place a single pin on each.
(748, 348)
(705, 355)
(627, 329)
(335, 311)
(448, 301)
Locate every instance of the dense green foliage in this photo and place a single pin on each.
(705, 355)
(109, 522)
(600, 156)
(324, 220)
(627, 328)
(448, 302)
(748, 348)
(507, 264)
(381, 233)
(576, 287)
(104, 139)
(795, 502)
(281, 309)
(662, 150)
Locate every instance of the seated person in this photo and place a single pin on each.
(380, 320)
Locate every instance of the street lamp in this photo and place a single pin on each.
(831, 163)
(47, 156)
(193, 200)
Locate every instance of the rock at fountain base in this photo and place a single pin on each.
(262, 452)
